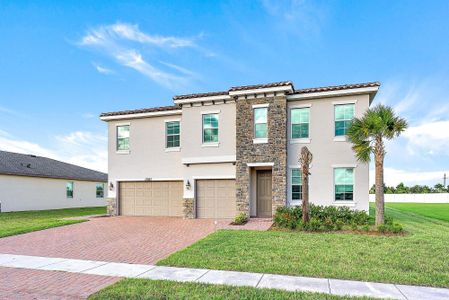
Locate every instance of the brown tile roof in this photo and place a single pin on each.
(188, 96)
(139, 111)
(260, 86)
(242, 88)
(234, 88)
(337, 87)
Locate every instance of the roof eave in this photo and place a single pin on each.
(141, 115)
(371, 90)
(286, 88)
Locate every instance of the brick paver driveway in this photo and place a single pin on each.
(142, 240)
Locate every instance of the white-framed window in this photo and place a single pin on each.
(99, 190)
(296, 181)
(300, 122)
(210, 128)
(122, 137)
(344, 184)
(172, 134)
(344, 113)
(69, 189)
(261, 122)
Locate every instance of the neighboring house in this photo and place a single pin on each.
(30, 182)
(212, 155)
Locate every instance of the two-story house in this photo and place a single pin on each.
(212, 155)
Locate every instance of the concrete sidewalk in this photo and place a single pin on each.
(258, 280)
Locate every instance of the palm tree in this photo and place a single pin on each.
(367, 134)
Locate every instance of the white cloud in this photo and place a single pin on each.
(299, 17)
(81, 148)
(393, 177)
(123, 41)
(134, 60)
(11, 112)
(431, 138)
(103, 34)
(102, 70)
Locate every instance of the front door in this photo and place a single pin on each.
(264, 189)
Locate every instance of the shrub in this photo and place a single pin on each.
(240, 219)
(360, 217)
(382, 228)
(388, 220)
(315, 224)
(339, 224)
(329, 224)
(365, 227)
(354, 226)
(396, 228)
(330, 217)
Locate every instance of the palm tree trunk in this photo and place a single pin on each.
(305, 197)
(380, 206)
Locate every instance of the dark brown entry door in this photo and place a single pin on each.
(264, 188)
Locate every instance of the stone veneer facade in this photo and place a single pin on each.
(274, 151)
(189, 208)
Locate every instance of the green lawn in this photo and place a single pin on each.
(421, 257)
(12, 223)
(157, 289)
(438, 211)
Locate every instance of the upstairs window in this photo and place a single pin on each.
(123, 138)
(100, 190)
(344, 184)
(260, 123)
(69, 189)
(172, 133)
(344, 113)
(300, 123)
(296, 185)
(210, 128)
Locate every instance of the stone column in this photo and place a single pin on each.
(189, 208)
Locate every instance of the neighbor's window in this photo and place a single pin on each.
(344, 184)
(344, 113)
(300, 122)
(100, 190)
(260, 123)
(210, 128)
(172, 133)
(123, 137)
(296, 185)
(69, 189)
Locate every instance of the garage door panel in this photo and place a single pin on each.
(151, 198)
(216, 198)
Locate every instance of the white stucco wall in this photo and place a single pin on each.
(148, 157)
(328, 153)
(19, 193)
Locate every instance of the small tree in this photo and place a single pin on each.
(367, 135)
(305, 160)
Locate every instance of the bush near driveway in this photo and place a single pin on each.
(12, 223)
(419, 258)
(158, 289)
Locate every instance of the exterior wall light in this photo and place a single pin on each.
(188, 186)
(111, 186)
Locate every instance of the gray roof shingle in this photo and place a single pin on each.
(38, 166)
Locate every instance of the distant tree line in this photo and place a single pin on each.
(416, 189)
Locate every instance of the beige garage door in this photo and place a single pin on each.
(215, 198)
(157, 198)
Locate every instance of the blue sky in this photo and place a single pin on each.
(64, 62)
